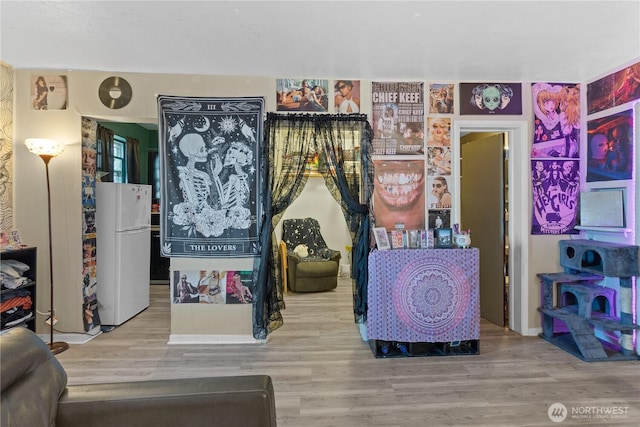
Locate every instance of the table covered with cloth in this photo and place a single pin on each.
(424, 295)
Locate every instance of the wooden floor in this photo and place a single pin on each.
(325, 375)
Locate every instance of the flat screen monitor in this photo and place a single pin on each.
(602, 208)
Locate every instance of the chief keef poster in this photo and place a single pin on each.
(210, 203)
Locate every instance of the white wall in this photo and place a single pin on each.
(315, 201)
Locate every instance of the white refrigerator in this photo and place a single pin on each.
(123, 250)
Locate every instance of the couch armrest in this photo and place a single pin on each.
(335, 256)
(242, 401)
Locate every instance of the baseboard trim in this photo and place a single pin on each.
(182, 339)
(79, 338)
(534, 332)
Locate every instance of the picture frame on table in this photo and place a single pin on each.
(426, 239)
(443, 238)
(398, 239)
(414, 239)
(382, 238)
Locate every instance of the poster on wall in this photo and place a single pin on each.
(302, 95)
(209, 176)
(346, 98)
(440, 194)
(556, 189)
(610, 147)
(614, 89)
(49, 92)
(438, 161)
(199, 287)
(239, 287)
(491, 98)
(398, 117)
(90, 315)
(438, 132)
(398, 194)
(441, 98)
(556, 128)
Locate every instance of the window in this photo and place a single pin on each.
(119, 158)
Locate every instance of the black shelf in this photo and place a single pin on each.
(27, 256)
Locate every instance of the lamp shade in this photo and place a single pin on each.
(44, 147)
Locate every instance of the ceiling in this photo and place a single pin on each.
(562, 41)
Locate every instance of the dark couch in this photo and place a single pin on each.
(35, 393)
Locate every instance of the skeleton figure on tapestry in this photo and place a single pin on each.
(215, 181)
(195, 184)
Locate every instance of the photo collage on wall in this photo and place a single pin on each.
(313, 95)
(90, 314)
(555, 152)
(212, 287)
(412, 168)
(399, 182)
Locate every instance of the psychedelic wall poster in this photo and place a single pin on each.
(556, 190)
(399, 194)
(491, 98)
(610, 147)
(90, 313)
(556, 108)
(398, 118)
(614, 89)
(209, 176)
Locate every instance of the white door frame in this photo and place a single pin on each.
(519, 211)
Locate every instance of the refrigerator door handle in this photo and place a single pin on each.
(134, 228)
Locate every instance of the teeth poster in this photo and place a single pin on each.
(398, 194)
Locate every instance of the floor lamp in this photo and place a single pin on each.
(47, 149)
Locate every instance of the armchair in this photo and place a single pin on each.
(35, 393)
(319, 270)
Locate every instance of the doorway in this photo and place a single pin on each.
(484, 166)
(518, 202)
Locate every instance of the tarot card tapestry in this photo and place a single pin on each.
(210, 177)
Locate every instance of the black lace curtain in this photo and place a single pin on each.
(343, 146)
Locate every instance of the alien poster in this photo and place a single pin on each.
(490, 98)
(210, 204)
